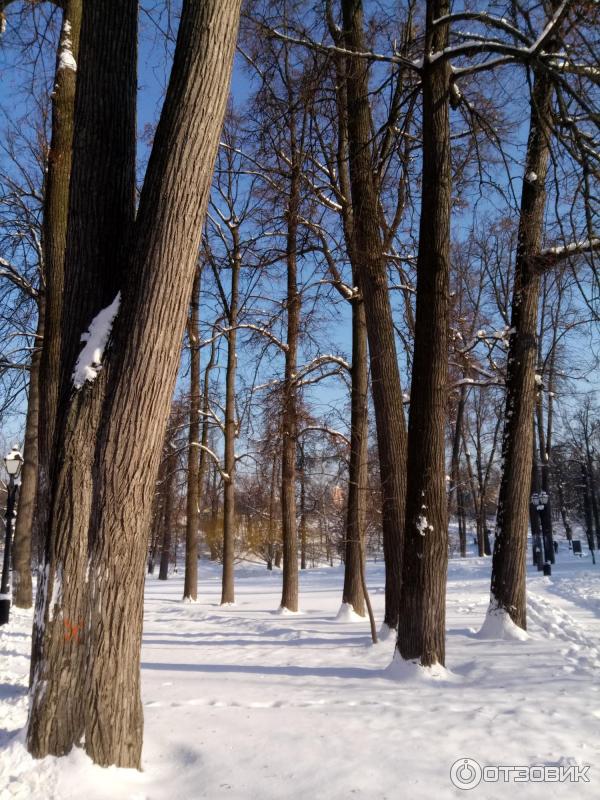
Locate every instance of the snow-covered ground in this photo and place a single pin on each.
(242, 702)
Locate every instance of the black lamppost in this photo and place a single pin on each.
(13, 462)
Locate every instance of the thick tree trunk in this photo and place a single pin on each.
(422, 625)
(101, 212)
(385, 374)
(148, 331)
(227, 588)
(508, 566)
(357, 473)
(22, 543)
(54, 238)
(190, 584)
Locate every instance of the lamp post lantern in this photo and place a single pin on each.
(13, 463)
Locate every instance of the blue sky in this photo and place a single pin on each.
(153, 75)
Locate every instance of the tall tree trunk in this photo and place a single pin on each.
(357, 473)
(303, 532)
(168, 520)
(101, 213)
(22, 544)
(354, 591)
(462, 520)
(203, 482)
(148, 331)
(455, 491)
(289, 594)
(227, 588)
(587, 507)
(271, 546)
(537, 542)
(385, 374)
(54, 239)
(510, 546)
(477, 498)
(456, 439)
(422, 625)
(592, 488)
(157, 518)
(563, 512)
(190, 584)
(545, 482)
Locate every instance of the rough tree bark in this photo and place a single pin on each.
(385, 374)
(190, 584)
(510, 546)
(99, 222)
(422, 629)
(148, 331)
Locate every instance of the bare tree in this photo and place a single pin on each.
(127, 438)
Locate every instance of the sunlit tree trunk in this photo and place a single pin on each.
(54, 237)
(357, 471)
(100, 216)
(148, 331)
(508, 566)
(422, 624)
(289, 596)
(385, 374)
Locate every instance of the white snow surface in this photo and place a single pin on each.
(348, 614)
(247, 704)
(498, 625)
(89, 362)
